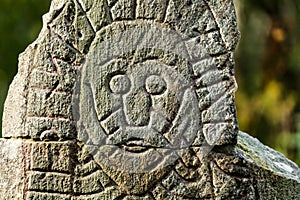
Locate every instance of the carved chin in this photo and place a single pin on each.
(135, 173)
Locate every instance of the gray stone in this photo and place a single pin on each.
(276, 176)
(13, 171)
(134, 100)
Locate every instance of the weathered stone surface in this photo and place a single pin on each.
(276, 176)
(34, 170)
(134, 100)
(12, 169)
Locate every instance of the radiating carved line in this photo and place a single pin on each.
(56, 14)
(219, 98)
(47, 195)
(205, 71)
(108, 11)
(209, 168)
(91, 173)
(106, 192)
(219, 54)
(82, 174)
(85, 11)
(47, 171)
(90, 193)
(134, 8)
(213, 14)
(51, 118)
(113, 3)
(63, 41)
(211, 31)
(185, 179)
(49, 192)
(165, 13)
(37, 89)
(46, 72)
(223, 78)
(80, 7)
(50, 93)
(86, 16)
(52, 60)
(216, 122)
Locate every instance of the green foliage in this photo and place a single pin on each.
(268, 70)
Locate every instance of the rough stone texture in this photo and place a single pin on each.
(279, 178)
(134, 100)
(12, 169)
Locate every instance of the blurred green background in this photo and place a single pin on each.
(267, 64)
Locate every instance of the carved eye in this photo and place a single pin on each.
(155, 85)
(120, 84)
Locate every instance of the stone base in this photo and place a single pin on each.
(65, 170)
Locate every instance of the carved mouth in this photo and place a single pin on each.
(137, 139)
(136, 145)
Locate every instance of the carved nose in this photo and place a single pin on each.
(137, 108)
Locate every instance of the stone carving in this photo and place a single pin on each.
(134, 99)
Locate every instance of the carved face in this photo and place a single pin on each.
(141, 106)
(137, 113)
